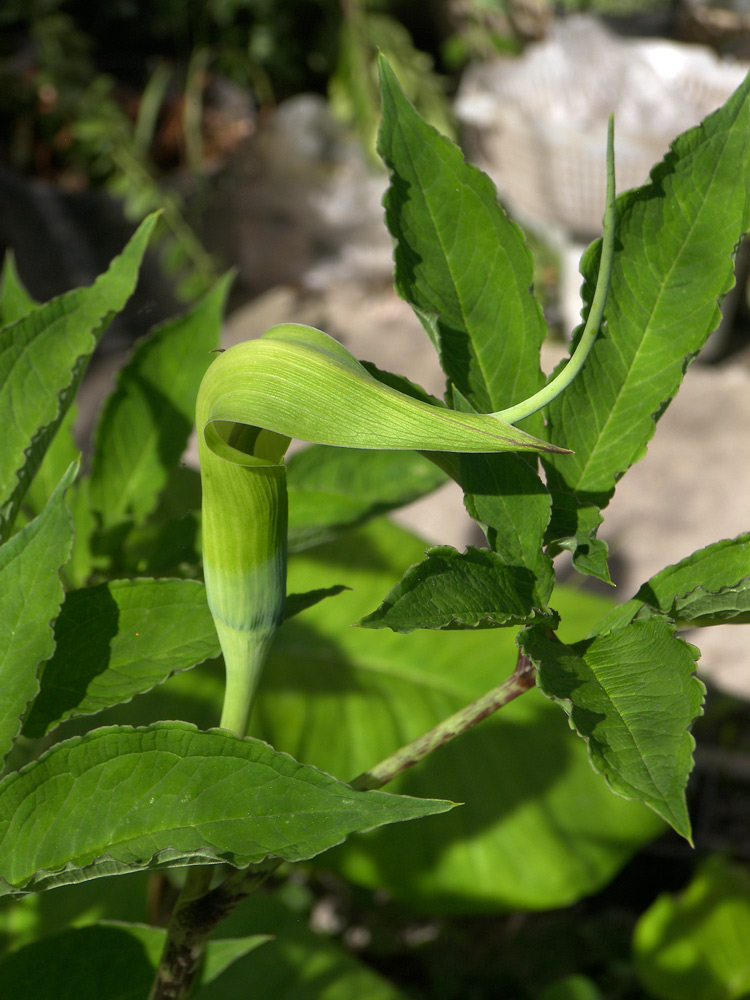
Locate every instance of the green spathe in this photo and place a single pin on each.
(298, 382)
(294, 381)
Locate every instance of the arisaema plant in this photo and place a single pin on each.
(115, 608)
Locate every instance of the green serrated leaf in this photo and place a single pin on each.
(147, 420)
(79, 569)
(460, 262)
(15, 301)
(466, 270)
(121, 799)
(677, 237)
(391, 688)
(110, 961)
(30, 598)
(631, 695)
(42, 358)
(693, 946)
(513, 506)
(331, 488)
(455, 590)
(709, 587)
(117, 640)
(60, 453)
(169, 540)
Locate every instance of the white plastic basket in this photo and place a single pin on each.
(537, 124)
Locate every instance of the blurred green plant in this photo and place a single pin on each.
(117, 100)
(353, 88)
(65, 121)
(694, 946)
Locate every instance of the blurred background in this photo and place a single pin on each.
(252, 125)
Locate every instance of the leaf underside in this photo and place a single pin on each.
(632, 696)
(709, 587)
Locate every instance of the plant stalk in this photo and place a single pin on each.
(522, 678)
(188, 932)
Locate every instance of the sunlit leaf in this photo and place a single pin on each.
(343, 698)
(460, 590)
(121, 799)
(467, 272)
(147, 420)
(42, 358)
(693, 946)
(676, 240)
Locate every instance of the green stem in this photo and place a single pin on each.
(244, 655)
(596, 312)
(242, 883)
(522, 678)
(187, 938)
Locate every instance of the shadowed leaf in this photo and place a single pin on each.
(30, 599)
